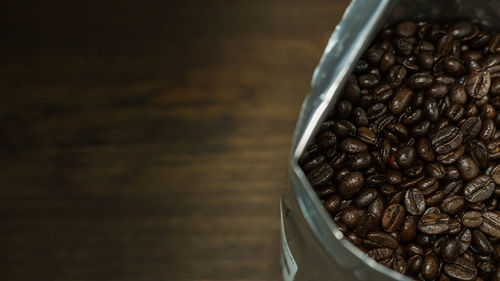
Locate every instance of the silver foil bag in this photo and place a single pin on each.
(313, 247)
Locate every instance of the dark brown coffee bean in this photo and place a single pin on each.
(377, 207)
(435, 198)
(408, 229)
(359, 117)
(351, 184)
(471, 127)
(462, 30)
(485, 266)
(495, 174)
(374, 55)
(452, 156)
(405, 156)
(458, 94)
(450, 250)
(437, 90)
(367, 135)
(332, 204)
(367, 80)
(352, 145)
(455, 227)
(494, 44)
(399, 264)
(479, 152)
(366, 224)
(401, 100)
(360, 161)
(380, 239)
(453, 187)
(493, 149)
(460, 269)
(420, 81)
(397, 198)
(453, 66)
(405, 29)
(320, 175)
(338, 160)
(421, 129)
(455, 112)
(481, 243)
(396, 76)
(430, 267)
(314, 163)
(415, 264)
(425, 60)
(411, 118)
(416, 170)
(479, 189)
(445, 45)
(428, 185)
(472, 219)
(424, 149)
(432, 224)
(414, 201)
(464, 239)
(447, 139)
(491, 224)
(468, 167)
(344, 109)
(478, 84)
(431, 109)
(365, 197)
(435, 170)
(488, 130)
(393, 217)
(344, 128)
(451, 205)
(393, 177)
(384, 256)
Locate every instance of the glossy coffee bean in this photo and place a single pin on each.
(478, 83)
(352, 145)
(393, 217)
(472, 219)
(479, 189)
(468, 167)
(432, 224)
(414, 201)
(430, 267)
(408, 229)
(491, 224)
(447, 139)
(460, 269)
(464, 239)
(481, 243)
(451, 205)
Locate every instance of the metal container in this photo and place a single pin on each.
(313, 247)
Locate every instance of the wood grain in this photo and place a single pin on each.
(149, 140)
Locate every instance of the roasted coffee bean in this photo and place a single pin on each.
(430, 267)
(421, 129)
(471, 127)
(408, 229)
(412, 118)
(478, 84)
(416, 170)
(460, 269)
(493, 149)
(468, 167)
(432, 224)
(380, 239)
(491, 224)
(351, 184)
(315, 163)
(452, 156)
(447, 139)
(453, 187)
(383, 93)
(344, 109)
(450, 250)
(393, 177)
(405, 29)
(480, 153)
(435, 198)
(377, 207)
(472, 219)
(420, 81)
(451, 205)
(396, 76)
(414, 201)
(387, 61)
(359, 117)
(488, 130)
(481, 243)
(366, 224)
(352, 145)
(436, 170)
(338, 160)
(464, 239)
(352, 92)
(415, 264)
(428, 185)
(485, 266)
(399, 264)
(393, 217)
(458, 94)
(367, 135)
(344, 128)
(332, 204)
(401, 100)
(360, 161)
(495, 174)
(367, 80)
(424, 149)
(455, 112)
(431, 109)
(384, 256)
(479, 189)
(320, 175)
(365, 197)
(455, 227)
(405, 156)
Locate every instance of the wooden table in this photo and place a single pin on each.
(149, 140)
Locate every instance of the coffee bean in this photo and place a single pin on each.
(471, 127)
(420, 81)
(485, 266)
(399, 264)
(493, 149)
(447, 139)
(478, 84)
(472, 219)
(393, 217)
(396, 76)
(435, 198)
(436, 170)
(415, 264)
(452, 156)
(455, 227)
(487, 130)
(405, 156)
(367, 135)
(405, 29)
(387, 61)
(414, 201)
(320, 175)
(366, 224)
(428, 185)
(408, 229)
(344, 128)
(360, 161)
(451, 205)
(458, 94)
(491, 224)
(432, 224)
(384, 256)
(460, 269)
(352, 145)
(359, 117)
(479, 189)
(401, 100)
(479, 152)
(450, 250)
(380, 239)
(365, 197)
(377, 207)
(424, 149)
(430, 267)
(351, 184)
(468, 167)
(495, 174)
(464, 239)
(481, 243)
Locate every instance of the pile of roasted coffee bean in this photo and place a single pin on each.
(407, 163)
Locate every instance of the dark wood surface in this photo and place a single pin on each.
(149, 140)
